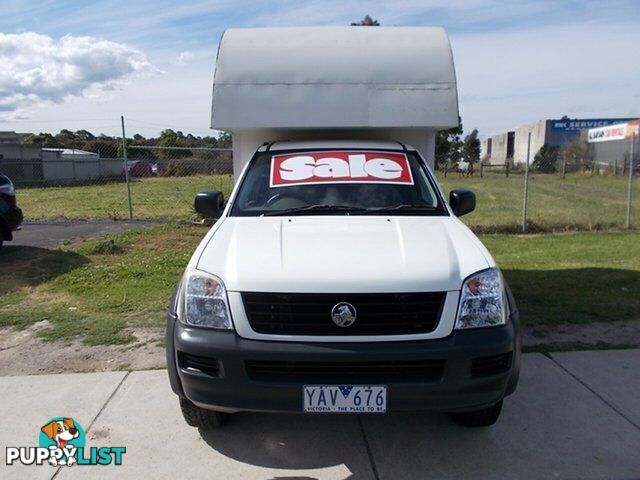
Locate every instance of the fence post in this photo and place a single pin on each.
(481, 170)
(126, 166)
(506, 168)
(564, 167)
(629, 188)
(526, 186)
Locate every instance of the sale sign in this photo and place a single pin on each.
(311, 168)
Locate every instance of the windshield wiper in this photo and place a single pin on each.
(316, 208)
(405, 207)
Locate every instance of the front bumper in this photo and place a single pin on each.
(458, 388)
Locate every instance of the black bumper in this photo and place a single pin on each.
(459, 387)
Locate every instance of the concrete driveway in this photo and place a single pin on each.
(575, 415)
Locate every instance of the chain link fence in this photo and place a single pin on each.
(562, 189)
(157, 179)
(153, 179)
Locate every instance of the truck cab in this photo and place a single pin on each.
(338, 278)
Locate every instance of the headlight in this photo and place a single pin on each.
(205, 302)
(482, 301)
(7, 188)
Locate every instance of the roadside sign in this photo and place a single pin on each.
(620, 131)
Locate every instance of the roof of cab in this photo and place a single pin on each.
(337, 144)
(334, 77)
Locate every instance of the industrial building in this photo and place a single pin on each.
(512, 146)
(611, 147)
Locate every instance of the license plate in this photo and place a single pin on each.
(345, 398)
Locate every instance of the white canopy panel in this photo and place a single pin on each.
(334, 77)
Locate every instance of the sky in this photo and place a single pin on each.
(79, 64)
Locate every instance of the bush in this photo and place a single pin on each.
(106, 246)
(546, 159)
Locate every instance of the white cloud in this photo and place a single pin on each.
(36, 69)
(185, 57)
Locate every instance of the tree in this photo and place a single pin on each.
(106, 147)
(546, 159)
(84, 136)
(448, 145)
(471, 147)
(69, 139)
(111, 147)
(46, 140)
(577, 152)
(224, 140)
(169, 138)
(367, 21)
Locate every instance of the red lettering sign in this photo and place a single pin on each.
(308, 168)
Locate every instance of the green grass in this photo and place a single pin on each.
(577, 277)
(97, 293)
(169, 198)
(87, 291)
(579, 202)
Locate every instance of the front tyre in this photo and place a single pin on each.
(478, 418)
(201, 418)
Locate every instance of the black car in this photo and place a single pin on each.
(10, 213)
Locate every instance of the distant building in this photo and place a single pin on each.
(497, 149)
(30, 163)
(69, 165)
(485, 148)
(551, 132)
(19, 161)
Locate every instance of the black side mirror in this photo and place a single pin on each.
(209, 203)
(462, 201)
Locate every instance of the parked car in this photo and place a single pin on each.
(341, 280)
(140, 168)
(10, 213)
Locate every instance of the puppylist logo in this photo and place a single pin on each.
(62, 441)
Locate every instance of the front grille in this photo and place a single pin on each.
(310, 314)
(346, 372)
(195, 363)
(492, 365)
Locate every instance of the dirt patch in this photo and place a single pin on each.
(614, 333)
(22, 353)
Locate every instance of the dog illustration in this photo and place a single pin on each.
(61, 432)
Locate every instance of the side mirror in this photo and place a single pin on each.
(462, 201)
(209, 203)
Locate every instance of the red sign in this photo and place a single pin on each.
(308, 168)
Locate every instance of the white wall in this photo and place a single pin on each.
(538, 138)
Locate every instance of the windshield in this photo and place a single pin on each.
(343, 182)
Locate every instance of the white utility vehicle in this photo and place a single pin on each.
(338, 279)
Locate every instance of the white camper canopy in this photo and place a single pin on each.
(385, 83)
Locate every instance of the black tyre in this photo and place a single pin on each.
(1, 242)
(478, 418)
(200, 417)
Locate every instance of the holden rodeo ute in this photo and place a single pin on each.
(338, 279)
